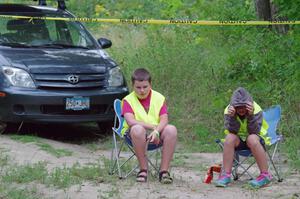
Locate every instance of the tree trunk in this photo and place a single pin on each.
(263, 9)
(282, 29)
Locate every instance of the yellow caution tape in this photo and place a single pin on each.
(163, 22)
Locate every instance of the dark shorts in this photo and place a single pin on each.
(243, 144)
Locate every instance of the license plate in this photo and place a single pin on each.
(78, 103)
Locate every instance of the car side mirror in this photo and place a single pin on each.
(104, 43)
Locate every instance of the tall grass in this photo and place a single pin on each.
(198, 68)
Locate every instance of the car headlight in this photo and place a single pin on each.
(115, 77)
(18, 77)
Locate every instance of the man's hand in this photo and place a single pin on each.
(154, 137)
(249, 108)
(231, 111)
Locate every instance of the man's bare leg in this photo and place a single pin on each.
(138, 137)
(253, 142)
(231, 141)
(169, 139)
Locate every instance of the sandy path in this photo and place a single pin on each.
(188, 176)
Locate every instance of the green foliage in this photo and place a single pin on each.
(3, 160)
(11, 174)
(179, 160)
(288, 8)
(198, 68)
(62, 178)
(59, 177)
(56, 152)
(65, 177)
(16, 180)
(25, 138)
(292, 147)
(17, 193)
(207, 65)
(26, 173)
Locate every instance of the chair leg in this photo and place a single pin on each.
(158, 151)
(153, 165)
(238, 164)
(148, 155)
(279, 179)
(156, 159)
(133, 155)
(136, 166)
(246, 169)
(235, 166)
(117, 155)
(112, 159)
(131, 171)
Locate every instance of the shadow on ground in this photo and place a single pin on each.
(71, 133)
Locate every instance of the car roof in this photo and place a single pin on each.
(9, 8)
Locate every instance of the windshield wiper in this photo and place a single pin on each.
(48, 46)
(15, 45)
(58, 45)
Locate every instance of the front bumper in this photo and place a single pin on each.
(33, 105)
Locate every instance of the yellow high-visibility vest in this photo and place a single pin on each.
(243, 133)
(152, 117)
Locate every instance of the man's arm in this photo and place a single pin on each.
(230, 122)
(164, 120)
(254, 123)
(155, 134)
(131, 121)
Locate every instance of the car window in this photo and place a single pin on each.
(39, 32)
(23, 31)
(78, 35)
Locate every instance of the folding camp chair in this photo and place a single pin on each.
(272, 116)
(120, 141)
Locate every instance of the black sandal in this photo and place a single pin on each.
(165, 177)
(142, 178)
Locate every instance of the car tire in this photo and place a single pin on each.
(3, 126)
(10, 127)
(105, 127)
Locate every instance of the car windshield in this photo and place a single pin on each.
(43, 33)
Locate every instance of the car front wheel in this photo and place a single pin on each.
(3, 126)
(105, 127)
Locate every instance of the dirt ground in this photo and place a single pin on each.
(188, 175)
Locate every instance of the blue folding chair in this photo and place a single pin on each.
(119, 141)
(272, 116)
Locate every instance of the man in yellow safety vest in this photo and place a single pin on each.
(146, 120)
